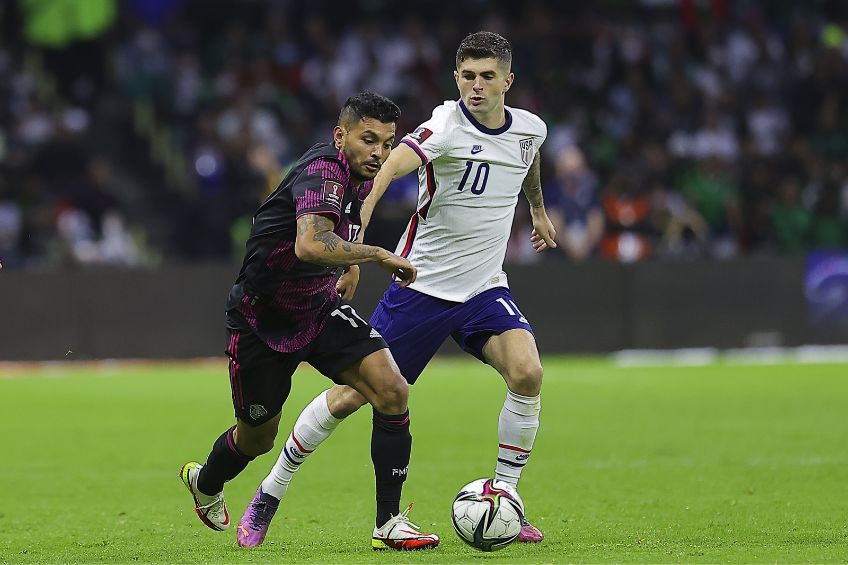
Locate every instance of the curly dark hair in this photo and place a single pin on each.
(368, 105)
(483, 45)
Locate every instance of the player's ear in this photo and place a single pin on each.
(509, 78)
(338, 136)
(456, 77)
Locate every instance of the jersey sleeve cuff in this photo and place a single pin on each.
(417, 150)
(332, 214)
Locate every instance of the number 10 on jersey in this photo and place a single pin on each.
(482, 170)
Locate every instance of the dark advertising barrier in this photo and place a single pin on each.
(592, 307)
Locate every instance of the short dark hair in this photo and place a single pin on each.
(369, 105)
(483, 45)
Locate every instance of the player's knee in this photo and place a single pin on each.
(257, 443)
(526, 379)
(392, 397)
(263, 444)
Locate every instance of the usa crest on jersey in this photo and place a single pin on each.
(526, 150)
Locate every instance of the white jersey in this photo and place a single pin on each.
(469, 183)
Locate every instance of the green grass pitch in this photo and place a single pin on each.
(717, 464)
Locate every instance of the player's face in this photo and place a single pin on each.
(366, 145)
(482, 84)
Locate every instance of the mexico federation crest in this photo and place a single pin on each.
(526, 150)
(257, 411)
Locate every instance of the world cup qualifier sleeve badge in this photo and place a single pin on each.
(332, 192)
(420, 135)
(526, 146)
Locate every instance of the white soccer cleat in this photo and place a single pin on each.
(210, 509)
(401, 534)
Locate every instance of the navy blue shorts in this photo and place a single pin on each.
(415, 325)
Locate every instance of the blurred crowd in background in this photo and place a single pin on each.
(140, 131)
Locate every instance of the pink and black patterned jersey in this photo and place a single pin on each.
(284, 300)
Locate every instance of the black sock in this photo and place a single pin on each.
(225, 461)
(391, 444)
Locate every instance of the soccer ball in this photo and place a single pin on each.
(487, 514)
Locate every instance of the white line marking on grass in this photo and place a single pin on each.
(698, 357)
(98, 367)
(691, 357)
(109, 367)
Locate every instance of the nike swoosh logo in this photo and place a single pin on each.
(476, 150)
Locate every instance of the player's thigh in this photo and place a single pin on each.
(351, 352)
(495, 331)
(414, 325)
(260, 378)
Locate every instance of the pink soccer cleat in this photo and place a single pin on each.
(529, 533)
(253, 526)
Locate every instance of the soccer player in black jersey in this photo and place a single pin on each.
(285, 308)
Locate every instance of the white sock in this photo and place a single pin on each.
(517, 426)
(314, 425)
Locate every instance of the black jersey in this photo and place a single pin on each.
(284, 300)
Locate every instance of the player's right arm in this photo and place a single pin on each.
(402, 161)
(429, 141)
(544, 233)
(316, 243)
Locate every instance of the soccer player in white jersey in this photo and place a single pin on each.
(473, 156)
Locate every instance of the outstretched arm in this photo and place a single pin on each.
(402, 161)
(317, 244)
(544, 233)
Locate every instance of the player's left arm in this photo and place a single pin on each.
(402, 161)
(544, 234)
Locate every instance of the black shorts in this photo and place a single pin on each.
(260, 377)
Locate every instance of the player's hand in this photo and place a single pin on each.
(544, 234)
(400, 268)
(348, 282)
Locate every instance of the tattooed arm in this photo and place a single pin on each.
(544, 234)
(316, 243)
(532, 184)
